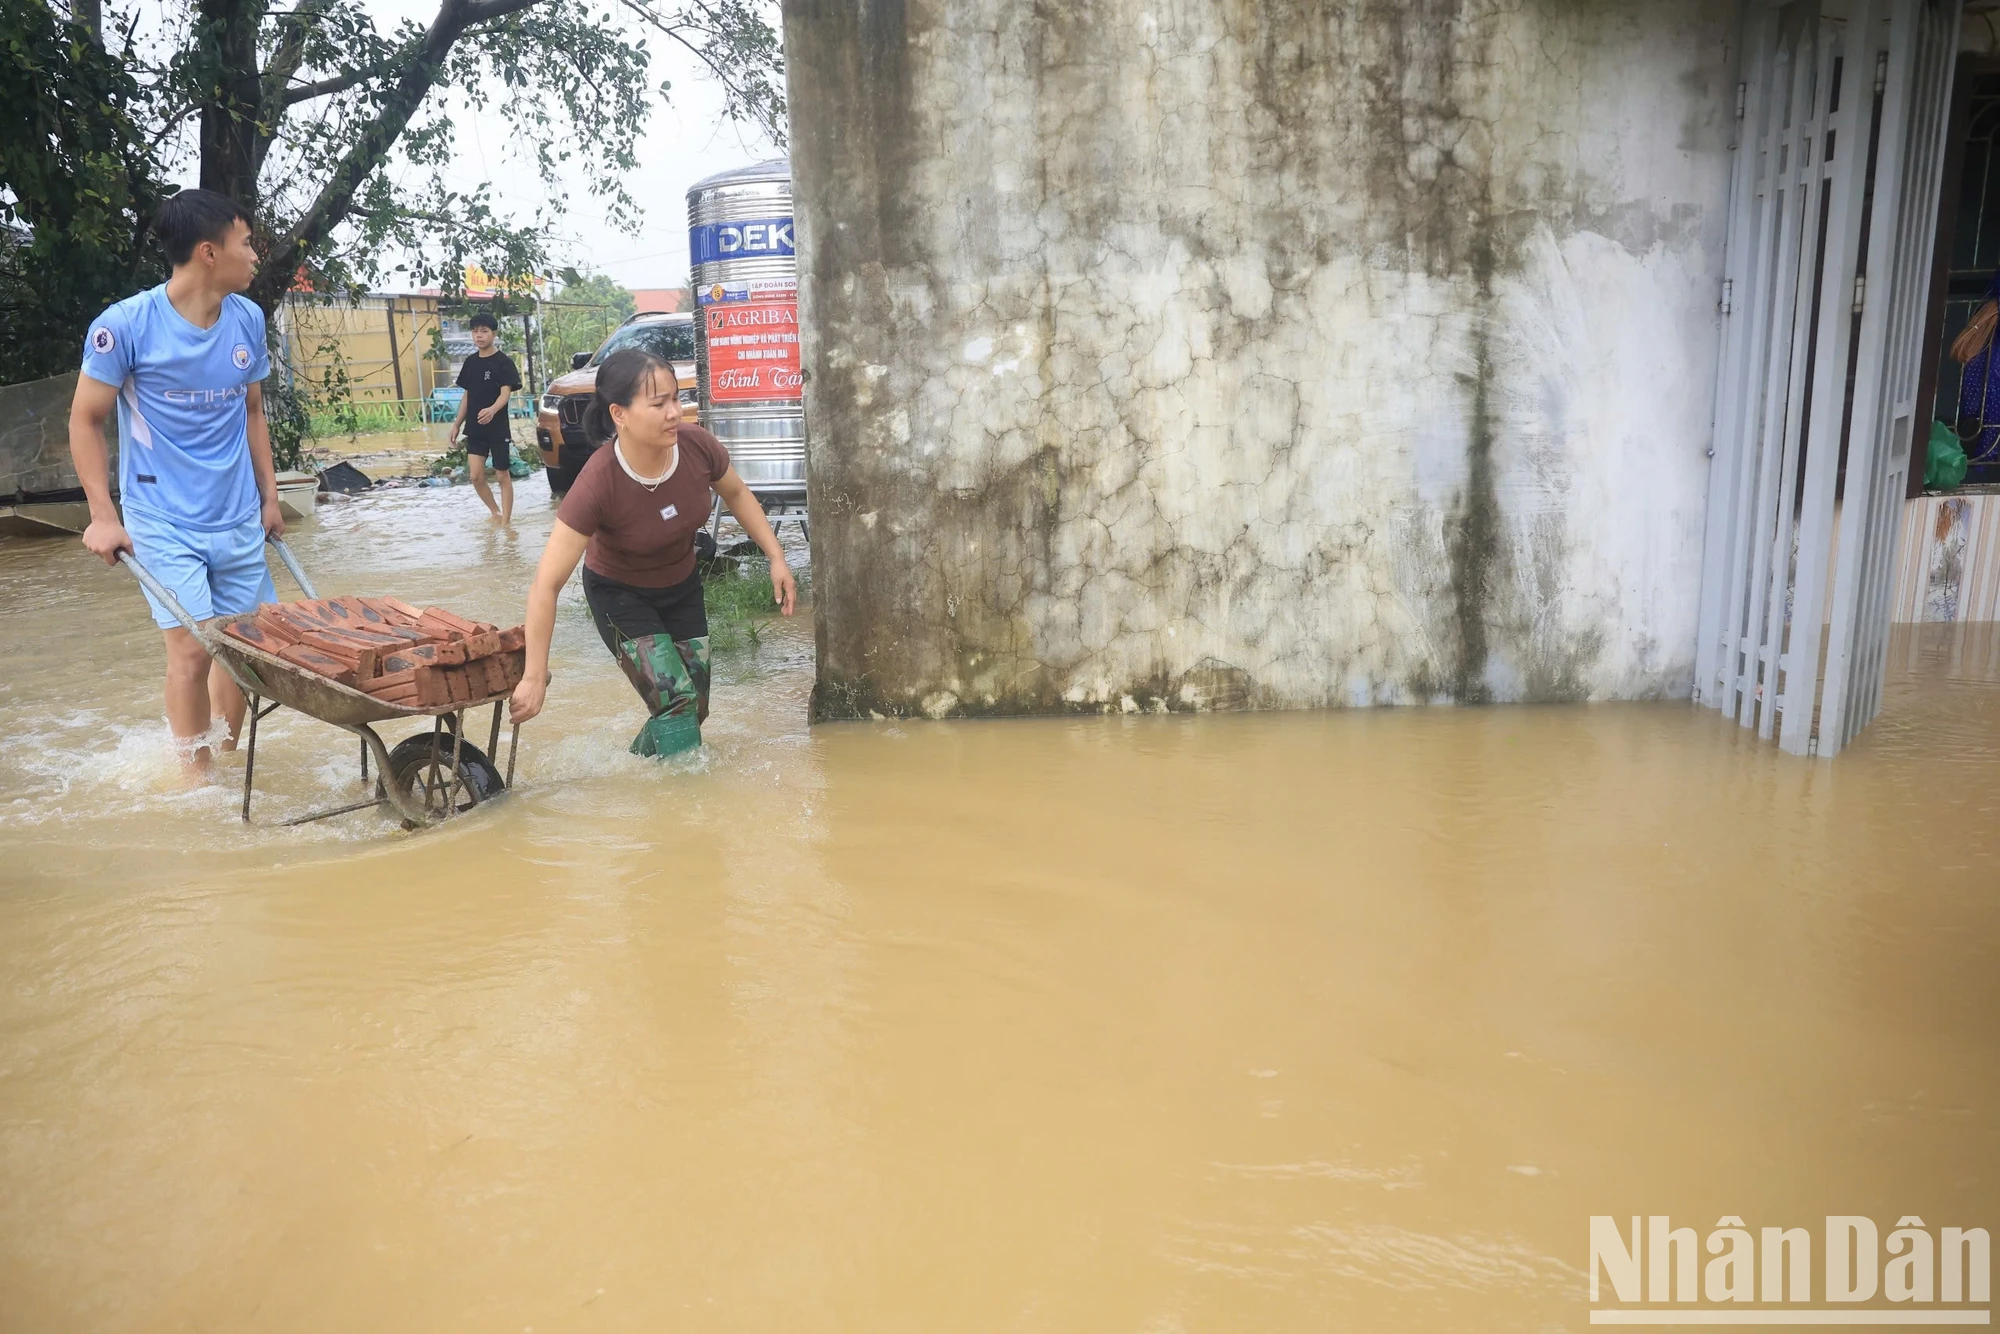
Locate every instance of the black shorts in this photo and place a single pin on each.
(499, 449)
(621, 611)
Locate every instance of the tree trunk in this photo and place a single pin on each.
(229, 132)
(89, 15)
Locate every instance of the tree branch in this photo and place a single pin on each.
(291, 50)
(485, 11)
(392, 115)
(729, 76)
(339, 83)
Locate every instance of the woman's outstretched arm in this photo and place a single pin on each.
(735, 493)
(558, 562)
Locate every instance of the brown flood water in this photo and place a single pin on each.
(1247, 1023)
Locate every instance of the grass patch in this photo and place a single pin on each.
(737, 595)
(527, 462)
(369, 417)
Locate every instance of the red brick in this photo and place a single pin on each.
(292, 615)
(276, 626)
(432, 692)
(452, 619)
(360, 635)
(410, 656)
(249, 632)
(481, 644)
(334, 669)
(486, 678)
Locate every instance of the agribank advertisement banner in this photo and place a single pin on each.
(753, 341)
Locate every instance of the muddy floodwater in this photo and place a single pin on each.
(1288, 1022)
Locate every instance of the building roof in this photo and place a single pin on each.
(668, 299)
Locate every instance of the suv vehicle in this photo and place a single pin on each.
(559, 412)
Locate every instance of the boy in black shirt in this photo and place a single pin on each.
(488, 380)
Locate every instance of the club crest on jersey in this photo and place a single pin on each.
(241, 356)
(101, 340)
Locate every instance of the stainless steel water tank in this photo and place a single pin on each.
(746, 286)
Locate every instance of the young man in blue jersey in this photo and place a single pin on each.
(183, 366)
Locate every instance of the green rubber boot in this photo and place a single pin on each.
(667, 734)
(672, 677)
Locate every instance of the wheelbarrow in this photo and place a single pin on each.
(426, 779)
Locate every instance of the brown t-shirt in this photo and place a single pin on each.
(640, 537)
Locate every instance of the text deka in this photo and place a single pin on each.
(755, 238)
(736, 240)
(1775, 1264)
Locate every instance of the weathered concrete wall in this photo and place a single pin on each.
(34, 438)
(1207, 353)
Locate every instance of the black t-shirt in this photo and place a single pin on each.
(482, 379)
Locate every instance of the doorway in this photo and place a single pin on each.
(1965, 266)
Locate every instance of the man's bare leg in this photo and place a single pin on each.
(188, 701)
(506, 496)
(225, 701)
(476, 463)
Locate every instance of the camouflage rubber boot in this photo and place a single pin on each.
(671, 676)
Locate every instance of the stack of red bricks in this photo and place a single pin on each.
(428, 659)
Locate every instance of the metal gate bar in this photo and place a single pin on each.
(1824, 287)
(1916, 101)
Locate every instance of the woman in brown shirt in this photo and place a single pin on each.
(631, 516)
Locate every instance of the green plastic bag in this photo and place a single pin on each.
(1944, 470)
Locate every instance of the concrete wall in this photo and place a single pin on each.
(1211, 354)
(34, 438)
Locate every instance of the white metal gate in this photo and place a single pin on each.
(1840, 145)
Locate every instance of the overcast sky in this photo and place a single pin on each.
(685, 139)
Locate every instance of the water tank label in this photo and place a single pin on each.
(753, 341)
(762, 238)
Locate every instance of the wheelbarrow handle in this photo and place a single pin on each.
(292, 564)
(159, 591)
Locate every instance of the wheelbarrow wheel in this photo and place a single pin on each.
(431, 784)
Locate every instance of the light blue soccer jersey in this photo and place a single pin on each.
(183, 399)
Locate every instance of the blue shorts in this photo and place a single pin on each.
(213, 574)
